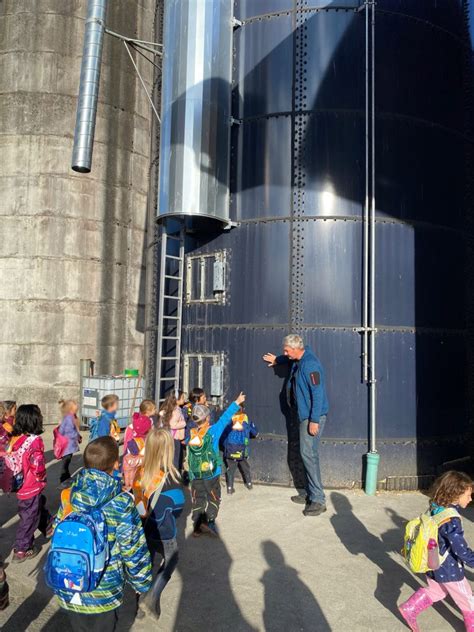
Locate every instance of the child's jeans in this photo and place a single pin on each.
(33, 515)
(206, 495)
(244, 468)
(461, 593)
(168, 549)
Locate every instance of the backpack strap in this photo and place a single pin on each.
(155, 495)
(445, 516)
(66, 502)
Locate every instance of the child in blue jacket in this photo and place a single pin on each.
(101, 426)
(236, 439)
(205, 465)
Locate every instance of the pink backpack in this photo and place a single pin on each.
(131, 463)
(60, 443)
(11, 467)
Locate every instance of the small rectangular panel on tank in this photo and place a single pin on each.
(402, 90)
(261, 183)
(330, 161)
(430, 162)
(255, 291)
(263, 67)
(334, 60)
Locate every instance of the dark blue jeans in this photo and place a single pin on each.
(168, 549)
(309, 449)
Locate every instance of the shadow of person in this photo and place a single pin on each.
(300, 611)
(207, 599)
(358, 540)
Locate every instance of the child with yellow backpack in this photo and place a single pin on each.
(435, 545)
(159, 500)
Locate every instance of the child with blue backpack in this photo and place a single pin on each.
(235, 440)
(205, 465)
(98, 543)
(159, 500)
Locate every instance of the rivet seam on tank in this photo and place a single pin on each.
(299, 162)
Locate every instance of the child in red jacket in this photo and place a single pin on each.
(31, 501)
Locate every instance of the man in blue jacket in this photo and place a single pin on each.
(307, 394)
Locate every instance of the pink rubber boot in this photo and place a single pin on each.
(410, 610)
(469, 620)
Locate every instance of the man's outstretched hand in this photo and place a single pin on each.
(270, 359)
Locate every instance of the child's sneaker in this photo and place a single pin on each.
(210, 528)
(197, 531)
(230, 490)
(249, 485)
(21, 556)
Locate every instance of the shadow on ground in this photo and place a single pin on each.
(358, 540)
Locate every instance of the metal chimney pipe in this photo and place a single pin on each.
(89, 86)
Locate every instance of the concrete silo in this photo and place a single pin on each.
(72, 253)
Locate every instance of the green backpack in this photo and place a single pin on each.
(203, 460)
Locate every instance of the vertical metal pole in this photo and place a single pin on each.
(373, 379)
(365, 264)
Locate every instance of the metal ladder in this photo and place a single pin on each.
(170, 310)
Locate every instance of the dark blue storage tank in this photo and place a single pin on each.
(294, 262)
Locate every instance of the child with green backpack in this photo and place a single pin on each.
(435, 544)
(205, 465)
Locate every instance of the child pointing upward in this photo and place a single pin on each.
(205, 465)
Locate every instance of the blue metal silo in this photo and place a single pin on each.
(301, 183)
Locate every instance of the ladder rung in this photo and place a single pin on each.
(167, 379)
(173, 257)
(175, 298)
(170, 337)
(173, 237)
(171, 317)
(170, 358)
(175, 278)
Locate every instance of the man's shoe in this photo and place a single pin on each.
(314, 509)
(249, 485)
(230, 490)
(299, 499)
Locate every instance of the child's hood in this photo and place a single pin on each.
(93, 488)
(141, 424)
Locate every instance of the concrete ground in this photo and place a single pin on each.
(272, 569)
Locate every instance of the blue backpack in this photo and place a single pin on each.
(79, 552)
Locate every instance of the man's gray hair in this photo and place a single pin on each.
(293, 341)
